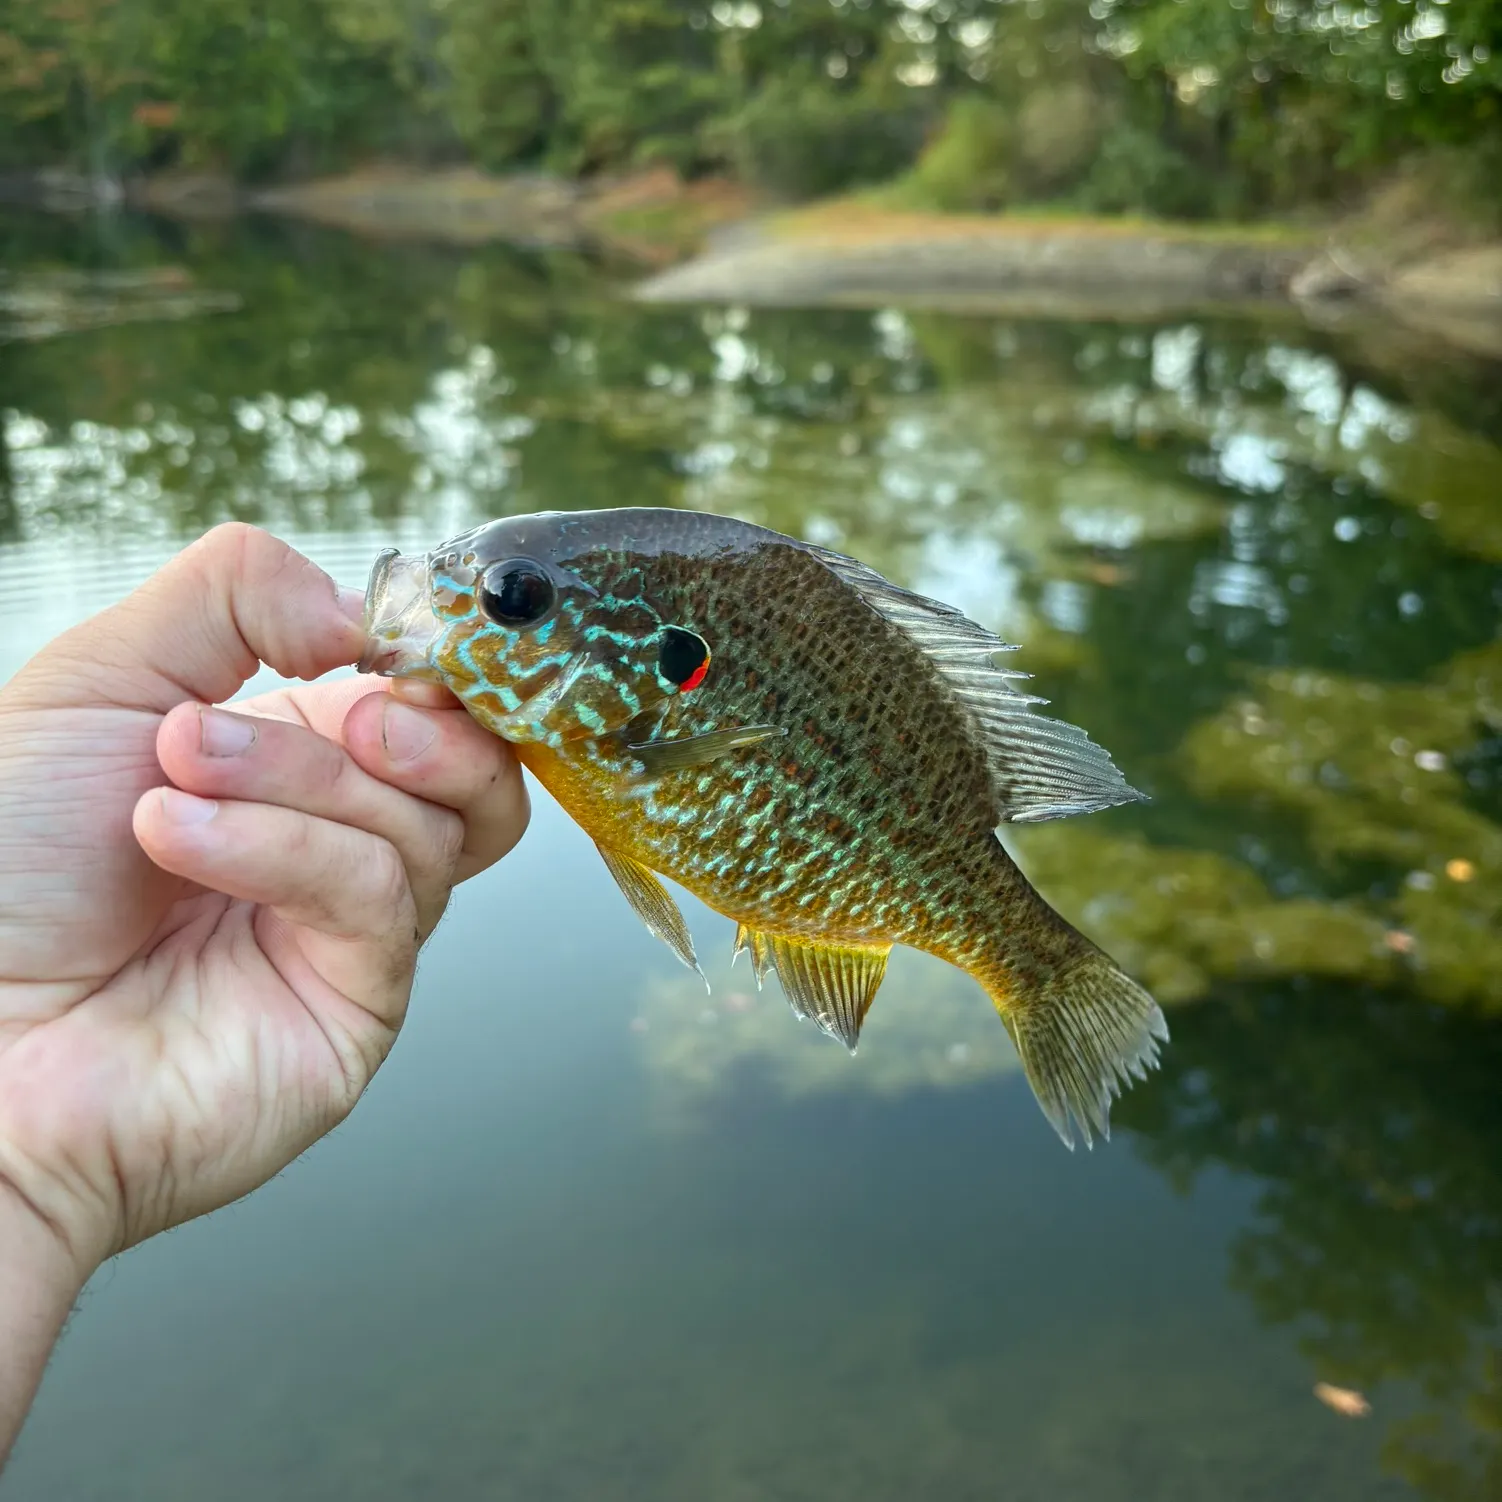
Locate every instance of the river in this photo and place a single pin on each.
(595, 1236)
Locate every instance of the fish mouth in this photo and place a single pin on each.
(399, 620)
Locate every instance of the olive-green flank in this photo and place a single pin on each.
(816, 753)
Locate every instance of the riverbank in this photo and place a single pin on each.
(713, 241)
(851, 254)
(651, 218)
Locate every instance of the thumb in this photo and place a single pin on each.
(199, 628)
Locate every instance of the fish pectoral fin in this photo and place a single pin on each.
(694, 750)
(759, 947)
(654, 905)
(831, 985)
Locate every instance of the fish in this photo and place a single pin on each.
(818, 754)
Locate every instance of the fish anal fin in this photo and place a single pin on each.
(654, 905)
(831, 985)
(674, 755)
(758, 946)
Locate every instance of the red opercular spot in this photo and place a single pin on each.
(682, 657)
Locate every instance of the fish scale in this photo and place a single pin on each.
(822, 756)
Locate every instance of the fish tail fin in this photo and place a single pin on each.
(1083, 1028)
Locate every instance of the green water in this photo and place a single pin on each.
(592, 1236)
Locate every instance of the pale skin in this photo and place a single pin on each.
(209, 921)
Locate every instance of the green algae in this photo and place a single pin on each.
(1182, 920)
(1373, 771)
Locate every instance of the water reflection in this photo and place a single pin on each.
(1263, 566)
(932, 1029)
(1388, 782)
(1372, 1123)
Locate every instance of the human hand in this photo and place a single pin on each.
(209, 922)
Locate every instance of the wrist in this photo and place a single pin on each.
(38, 1261)
(40, 1277)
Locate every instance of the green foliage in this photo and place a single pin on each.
(801, 140)
(1178, 107)
(969, 166)
(68, 71)
(266, 86)
(1302, 97)
(638, 80)
(504, 104)
(1136, 170)
(1059, 132)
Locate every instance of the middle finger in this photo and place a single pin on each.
(217, 754)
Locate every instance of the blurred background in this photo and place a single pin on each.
(1181, 107)
(1165, 338)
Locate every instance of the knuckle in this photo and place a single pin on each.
(387, 884)
(450, 840)
(330, 770)
(232, 544)
(298, 843)
(513, 816)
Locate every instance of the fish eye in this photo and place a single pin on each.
(516, 593)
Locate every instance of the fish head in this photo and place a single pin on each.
(544, 632)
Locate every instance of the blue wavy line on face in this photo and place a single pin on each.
(616, 633)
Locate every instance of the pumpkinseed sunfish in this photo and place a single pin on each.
(818, 754)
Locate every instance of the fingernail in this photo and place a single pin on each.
(405, 733)
(351, 603)
(221, 734)
(184, 808)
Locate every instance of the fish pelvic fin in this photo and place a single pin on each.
(1084, 1030)
(654, 905)
(830, 985)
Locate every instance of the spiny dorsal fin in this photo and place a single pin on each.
(831, 985)
(1039, 768)
(654, 905)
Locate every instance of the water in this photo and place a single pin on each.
(591, 1236)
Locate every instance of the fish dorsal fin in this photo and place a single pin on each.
(654, 906)
(830, 985)
(1039, 768)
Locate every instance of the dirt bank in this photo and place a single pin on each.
(846, 255)
(458, 205)
(704, 243)
(1050, 265)
(1455, 294)
(651, 217)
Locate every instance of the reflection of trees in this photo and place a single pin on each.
(1267, 588)
(1383, 779)
(1152, 511)
(1374, 1123)
(10, 521)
